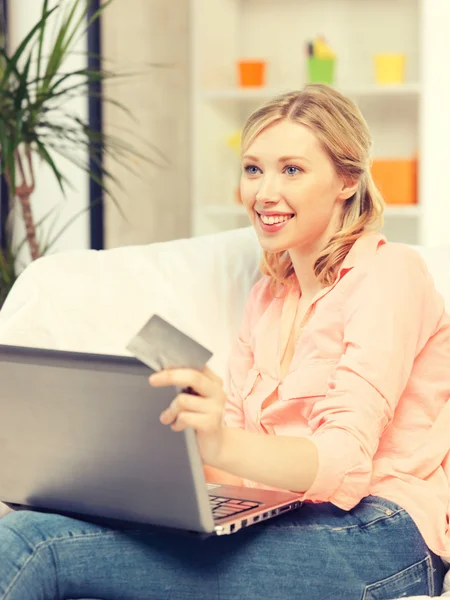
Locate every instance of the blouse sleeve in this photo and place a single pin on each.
(389, 317)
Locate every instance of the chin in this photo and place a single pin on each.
(272, 245)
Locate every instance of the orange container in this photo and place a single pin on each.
(396, 179)
(251, 73)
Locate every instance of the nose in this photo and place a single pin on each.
(268, 191)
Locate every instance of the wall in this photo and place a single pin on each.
(23, 15)
(150, 39)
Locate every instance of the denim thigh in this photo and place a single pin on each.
(318, 552)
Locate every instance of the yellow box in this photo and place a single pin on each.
(396, 179)
(389, 68)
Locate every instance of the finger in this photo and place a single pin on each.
(169, 415)
(198, 404)
(184, 378)
(162, 378)
(181, 402)
(186, 402)
(199, 422)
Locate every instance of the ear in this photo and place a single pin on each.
(349, 187)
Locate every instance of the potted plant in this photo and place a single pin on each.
(35, 123)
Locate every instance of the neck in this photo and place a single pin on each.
(304, 272)
(304, 258)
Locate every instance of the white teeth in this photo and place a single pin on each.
(273, 220)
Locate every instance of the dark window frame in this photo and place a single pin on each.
(95, 117)
(4, 192)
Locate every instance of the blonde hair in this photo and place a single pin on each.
(343, 133)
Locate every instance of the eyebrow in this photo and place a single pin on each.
(282, 159)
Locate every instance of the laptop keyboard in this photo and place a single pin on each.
(227, 507)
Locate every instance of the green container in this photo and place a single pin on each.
(321, 70)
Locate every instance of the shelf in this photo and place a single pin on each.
(236, 210)
(404, 119)
(363, 91)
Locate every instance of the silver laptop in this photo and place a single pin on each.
(80, 434)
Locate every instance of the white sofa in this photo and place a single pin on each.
(96, 301)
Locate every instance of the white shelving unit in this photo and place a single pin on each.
(399, 116)
(261, 94)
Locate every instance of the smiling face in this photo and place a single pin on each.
(291, 190)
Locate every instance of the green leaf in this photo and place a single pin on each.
(92, 20)
(9, 162)
(78, 24)
(7, 272)
(48, 245)
(50, 228)
(69, 20)
(95, 177)
(13, 61)
(87, 75)
(48, 159)
(58, 53)
(41, 40)
(10, 83)
(18, 128)
(21, 93)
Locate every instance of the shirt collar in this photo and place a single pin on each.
(364, 247)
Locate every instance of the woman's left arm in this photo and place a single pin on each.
(389, 317)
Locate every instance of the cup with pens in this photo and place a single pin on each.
(321, 61)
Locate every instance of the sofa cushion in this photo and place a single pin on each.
(95, 301)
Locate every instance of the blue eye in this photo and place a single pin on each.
(292, 170)
(251, 169)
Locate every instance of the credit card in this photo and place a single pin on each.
(160, 345)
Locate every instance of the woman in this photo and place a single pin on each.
(340, 381)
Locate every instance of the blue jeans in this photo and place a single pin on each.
(373, 552)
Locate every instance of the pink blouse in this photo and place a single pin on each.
(369, 383)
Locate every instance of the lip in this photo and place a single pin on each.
(273, 214)
(271, 228)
